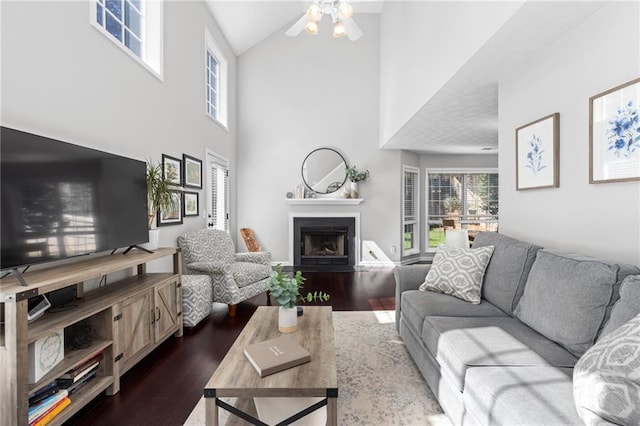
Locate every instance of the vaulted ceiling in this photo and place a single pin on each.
(462, 118)
(247, 23)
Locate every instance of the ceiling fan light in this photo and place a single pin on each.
(314, 13)
(311, 27)
(339, 30)
(345, 10)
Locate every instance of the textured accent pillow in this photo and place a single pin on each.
(458, 272)
(606, 380)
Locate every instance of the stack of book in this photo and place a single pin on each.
(47, 403)
(80, 375)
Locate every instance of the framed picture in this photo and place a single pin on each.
(172, 167)
(614, 134)
(173, 215)
(191, 203)
(192, 172)
(538, 154)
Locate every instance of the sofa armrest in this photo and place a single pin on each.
(408, 278)
(209, 267)
(261, 257)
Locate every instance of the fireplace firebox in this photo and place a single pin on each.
(324, 241)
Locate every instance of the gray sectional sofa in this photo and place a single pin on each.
(510, 358)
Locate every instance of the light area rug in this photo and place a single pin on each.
(378, 383)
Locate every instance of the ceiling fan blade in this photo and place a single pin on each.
(297, 27)
(353, 31)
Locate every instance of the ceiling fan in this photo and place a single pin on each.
(340, 12)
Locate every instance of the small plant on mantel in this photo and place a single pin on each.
(286, 290)
(355, 175)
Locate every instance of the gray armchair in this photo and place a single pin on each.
(235, 276)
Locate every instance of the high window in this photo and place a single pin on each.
(216, 80)
(134, 25)
(218, 191)
(410, 203)
(464, 199)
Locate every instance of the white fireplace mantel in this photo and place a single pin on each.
(324, 201)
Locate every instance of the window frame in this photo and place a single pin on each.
(416, 207)
(214, 159)
(152, 53)
(465, 171)
(213, 48)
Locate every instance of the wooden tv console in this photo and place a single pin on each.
(131, 317)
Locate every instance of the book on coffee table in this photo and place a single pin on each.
(274, 355)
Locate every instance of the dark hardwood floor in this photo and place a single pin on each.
(164, 388)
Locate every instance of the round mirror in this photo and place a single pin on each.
(323, 170)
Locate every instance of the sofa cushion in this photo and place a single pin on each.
(458, 272)
(567, 297)
(520, 395)
(416, 305)
(627, 307)
(459, 343)
(606, 380)
(508, 269)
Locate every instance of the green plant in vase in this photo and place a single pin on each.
(356, 176)
(159, 196)
(286, 292)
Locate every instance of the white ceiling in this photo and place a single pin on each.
(462, 118)
(246, 23)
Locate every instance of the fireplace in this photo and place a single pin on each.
(324, 241)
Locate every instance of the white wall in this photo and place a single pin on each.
(601, 220)
(63, 79)
(423, 44)
(299, 94)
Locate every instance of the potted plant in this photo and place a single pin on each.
(286, 292)
(159, 196)
(451, 204)
(356, 176)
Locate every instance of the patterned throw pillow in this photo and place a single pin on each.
(458, 272)
(606, 379)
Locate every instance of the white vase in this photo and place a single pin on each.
(154, 238)
(354, 190)
(287, 319)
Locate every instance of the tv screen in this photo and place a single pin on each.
(60, 200)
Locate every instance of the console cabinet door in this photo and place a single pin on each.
(167, 309)
(135, 332)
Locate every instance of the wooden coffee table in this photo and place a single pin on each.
(235, 377)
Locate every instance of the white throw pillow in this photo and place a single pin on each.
(606, 379)
(458, 272)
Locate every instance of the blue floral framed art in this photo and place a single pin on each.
(538, 154)
(614, 134)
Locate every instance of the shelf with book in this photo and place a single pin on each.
(71, 359)
(79, 399)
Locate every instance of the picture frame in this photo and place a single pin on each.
(192, 172)
(538, 154)
(172, 216)
(169, 162)
(191, 203)
(614, 134)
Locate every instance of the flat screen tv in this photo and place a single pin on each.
(59, 200)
